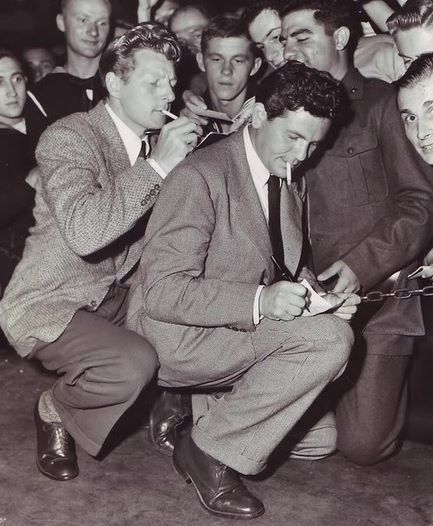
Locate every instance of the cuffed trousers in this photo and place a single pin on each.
(293, 363)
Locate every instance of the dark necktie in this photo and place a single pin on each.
(274, 199)
(145, 147)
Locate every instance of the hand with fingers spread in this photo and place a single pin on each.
(282, 301)
(347, 279)
(176, 140)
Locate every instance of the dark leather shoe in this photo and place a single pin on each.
(56, 457)
(218, 487)
(170, 412)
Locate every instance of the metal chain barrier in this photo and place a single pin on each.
(398, 294)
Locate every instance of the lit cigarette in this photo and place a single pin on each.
(289, 173)
(169, 114)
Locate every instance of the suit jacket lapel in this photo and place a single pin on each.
(111, 142)
(248, 211)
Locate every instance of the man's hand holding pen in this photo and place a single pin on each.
(282, 301)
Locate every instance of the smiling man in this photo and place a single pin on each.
(264, 26)
(65, 304)
(415, 101)
(210, 300)
(368, 194)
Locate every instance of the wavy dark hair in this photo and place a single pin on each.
(295, 86)
(119, 57)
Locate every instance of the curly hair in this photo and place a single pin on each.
(295, 86)
(119, 57)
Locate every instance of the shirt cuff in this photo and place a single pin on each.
(157, 168)
(256, 310)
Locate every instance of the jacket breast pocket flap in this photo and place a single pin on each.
(357, 161)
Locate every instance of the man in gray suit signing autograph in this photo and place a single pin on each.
(66, 302)
(208, 297)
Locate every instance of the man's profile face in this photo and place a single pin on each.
(306, 41)
(265, 32)
(289, 139)
(86, 24)
(188, 27)
(414, 42)
(416, 109)
(12, 91)
(40, 61)
(147, 91)
(228, 64)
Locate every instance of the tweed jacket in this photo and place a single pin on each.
(207, 248)
(371, 198)
(89, 216)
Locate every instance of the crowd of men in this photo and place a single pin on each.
(233, 275)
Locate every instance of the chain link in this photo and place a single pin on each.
(398, 294)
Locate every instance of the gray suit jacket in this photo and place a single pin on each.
(89, 208)
(207, 248)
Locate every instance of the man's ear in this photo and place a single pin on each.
(257, 64)
(200, 61)
(258, 116)
(113, 84)
(341, 37)
(60, 22)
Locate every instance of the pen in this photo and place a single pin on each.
(169, 114)
(284, 271)
(286, 274)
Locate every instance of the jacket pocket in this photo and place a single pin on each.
(358, 170)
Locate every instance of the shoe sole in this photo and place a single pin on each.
(203, 504)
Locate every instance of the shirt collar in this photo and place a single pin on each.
(21, 126)
(130, 139)
(258, 170)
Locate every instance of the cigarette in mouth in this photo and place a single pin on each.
(169, 114)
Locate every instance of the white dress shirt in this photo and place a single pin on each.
(260, 175)
(132, 142)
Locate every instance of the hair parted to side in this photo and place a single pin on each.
(119, 57)
(295, 86)
(414, 13)
(420, 69)
(225, 26)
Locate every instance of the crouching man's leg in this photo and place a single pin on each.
(103, 368)
(371, 411)
(239, 430)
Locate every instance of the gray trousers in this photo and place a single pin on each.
(102, 367)
(293, 363)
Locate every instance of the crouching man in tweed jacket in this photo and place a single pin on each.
(65, 304)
